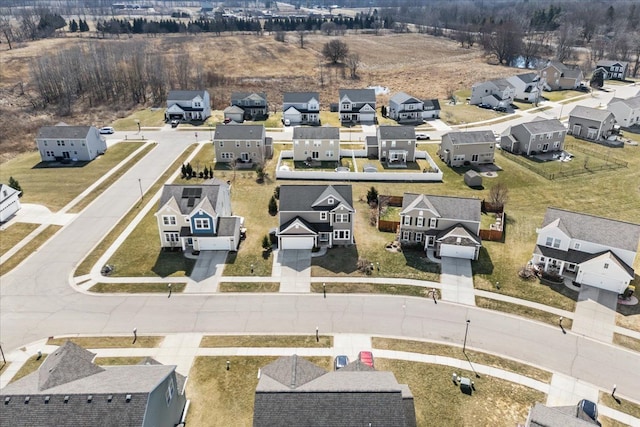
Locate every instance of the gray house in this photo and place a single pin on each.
(294, 392)
(70, 390)
(557, 416)
(396, 145)
(614, 70)
(188, 105)
(316, 143)
(467, 148)
(254, 105)
(496, 93)
(591, 123)
(357, 106)
(538, 136)
(315, 215)
(450, 226)
(247, 145)
(407, 109)
(301, 108)
(66, 143)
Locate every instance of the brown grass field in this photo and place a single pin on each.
(419, 64)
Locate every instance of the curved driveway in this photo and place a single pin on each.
(36, 301)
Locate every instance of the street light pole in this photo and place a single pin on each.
(466, 331)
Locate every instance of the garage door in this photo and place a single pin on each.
(298, 242)
(211, 244)
(456, 251)
(602, 282)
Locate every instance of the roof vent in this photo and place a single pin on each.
(110, 398)
(46, 400)
(89, 398)
(26, 399)
(66, 399)
(128, 398)
(7, 399)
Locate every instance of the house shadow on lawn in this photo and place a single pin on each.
(339, 261)
(483, 265)
(171, 262)
(60, 164)
(417, 259)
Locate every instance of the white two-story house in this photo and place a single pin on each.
(188, 105)
(405, 108)
(592, 250)
(198, 217)
(626, 111)
(357, 106)
(301, 108)
(496, 93)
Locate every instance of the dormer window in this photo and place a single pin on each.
(606, 265)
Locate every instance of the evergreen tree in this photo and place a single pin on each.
(73, 26)
(372, 195)
(266, 243)
(273, 206)
(13, 183)
(84, 27)
(183, 170)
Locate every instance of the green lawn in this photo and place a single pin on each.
(463, 113)
(306, 341)
(36, 178)
(371, 288)
(31, 365)
(249, 287)
(136, 288)
(417, 166)
(560, 95)
(328, 118)
(149, 117)
(142, 341)
(13, 234)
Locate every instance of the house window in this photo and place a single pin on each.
(171, 237)
(323, 216)
(346, 106)
(405, 235)
(549, 241)
(169, 220)
(418, 237)
(393, 144)
(556, 243)
(201, 223)
(606, 265)
(341, 218)
(316, 143)
(248, 144)
(406, 220)
(433, 222)
(315, 154)
(330, 200)
(45, 143)
(324, 237)
(420, 222)
(170, 391)
(237, 144)
(576, 246)
(341, 234)
(226, 156)
(329, 153)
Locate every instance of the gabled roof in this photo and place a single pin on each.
(457, 208)
(232, 109)
(302, 198)
(557, 64)
(63, 132)
(396, 132)
(589, 113)
(321, 132)
(633, 103)
(573, 73)
(402, 98)
(608, 63)
(299, 227)
(527, 77)
(502, 84)
(431, 103)
(69, 362)
(562, 416)
(251, 95)
(458, 234)
(185, 95)
(238, 132)
(610, 256)
(595, 229)
(299, 97)
(189, 198)
(470, 137)
(10, 191)
(292, 371)
(359, 95)
(543, 126)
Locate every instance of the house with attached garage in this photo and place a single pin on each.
(450, 226)
(407, 109)
(70, 389)
(557, 76)
(357, 106)
(292, 391)
(301, 108)
(591, 250)
(254, 105)
(198, 217)
(527, 87)
(66, 143)
(467, 148)
(188, 105)
(613, 70)
(316, 144)
(538, 136)
(9, 202)
(315, 216)
(591, 123)
(396, 145)
(496, 93)
(626, 111)
(244, 145)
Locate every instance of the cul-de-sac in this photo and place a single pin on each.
(320, 213)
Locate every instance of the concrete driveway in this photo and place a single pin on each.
(295, 270)
(207, 271)
(595, 314)
(457, 273)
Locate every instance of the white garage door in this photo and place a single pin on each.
(301, 242)
(456, 251)
(602, 282)
(211, 244)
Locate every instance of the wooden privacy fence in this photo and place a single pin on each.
(389, 226)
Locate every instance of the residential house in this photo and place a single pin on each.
(198, 217)
(614, 70)
(254, 105)
(69, 389)
(396, 145)
(316, 143)
(591, 123)
(188, 105)
(66, 143)
(450, 226)
(496, 93)
(357, 106)
(557, 76)
(626, 111)
(407, 109)
(467, 148)
(527, 87)
(557, 416)
(9, 202)
(295, 392)
(301, 108)
(234, 114)
(592, 250)
(247, 145)
(314, 216)
(538, 136)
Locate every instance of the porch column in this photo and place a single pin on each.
(546, 264)
(561, 267)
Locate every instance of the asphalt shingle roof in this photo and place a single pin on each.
(300, 198)
(184, 95)
(402, 97)
(633, 103)
(562, 416)
(209, 190)
(238, 132)
(608, 63)
(543, 126)
(456, 208)
(299, 97)
(63, 132)
(322, 132)
(359, 95)
(590, 113)
(470, 137)
(397, 132)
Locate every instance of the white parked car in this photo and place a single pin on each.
(107, 130)
(423, 136)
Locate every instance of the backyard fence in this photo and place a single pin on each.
(389, 226)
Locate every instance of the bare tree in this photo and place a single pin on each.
(335, 50)
(353, 62)
(328, 28)
(504, 42)
(301, 34)
(498, 195)
(565, 42)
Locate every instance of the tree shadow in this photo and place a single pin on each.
(339, 260)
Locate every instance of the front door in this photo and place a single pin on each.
(545, 147)
(244, 157)
(474, 158)
(66, 155)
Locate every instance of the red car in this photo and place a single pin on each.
(366, 357)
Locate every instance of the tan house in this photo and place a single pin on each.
(557, 76)
(316, 143)
(247, 145)
(467, 148)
